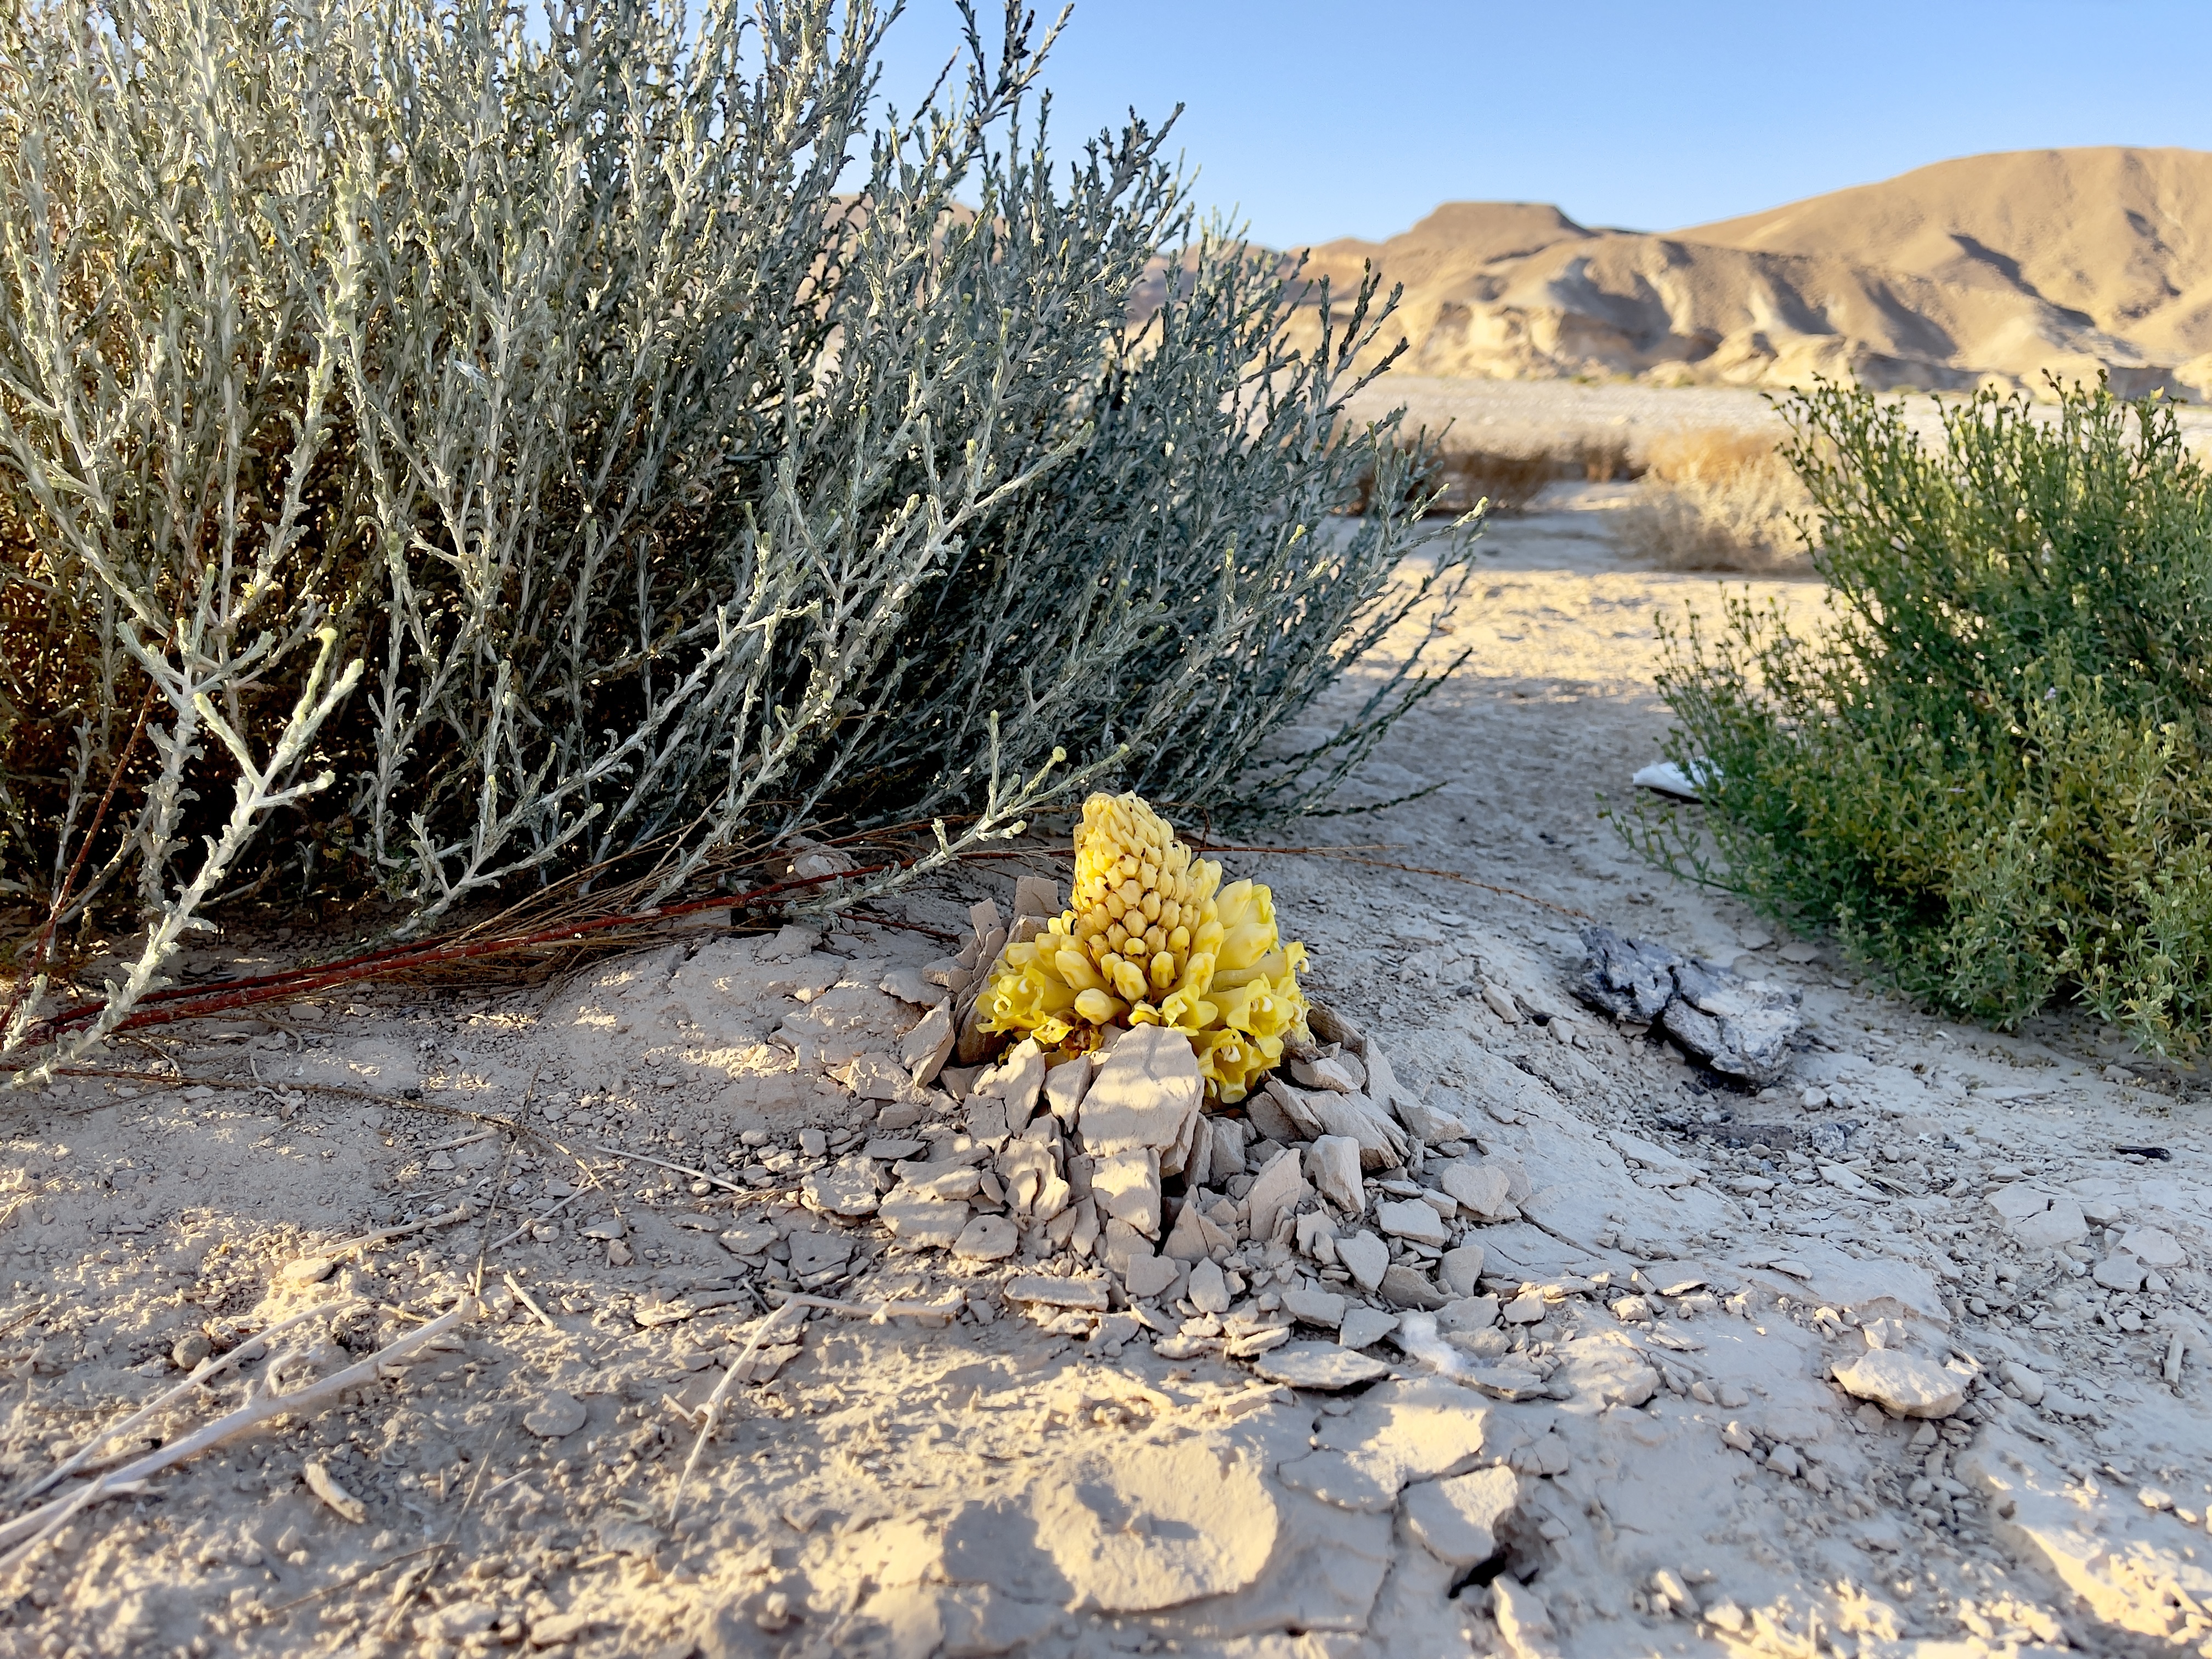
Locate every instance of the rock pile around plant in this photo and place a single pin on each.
(1360, 1202)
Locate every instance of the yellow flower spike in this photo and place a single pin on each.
(1151, 936)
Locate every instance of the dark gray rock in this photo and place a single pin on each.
(1740, 1027)
(1627, 978)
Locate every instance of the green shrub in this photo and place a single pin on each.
(442, 452)
(1987, 775)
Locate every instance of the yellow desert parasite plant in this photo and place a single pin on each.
(1153, 939)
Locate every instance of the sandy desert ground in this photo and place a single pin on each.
(1613, 1430)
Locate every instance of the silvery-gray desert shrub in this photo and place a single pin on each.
(442, 451)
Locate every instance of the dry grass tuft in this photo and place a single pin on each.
(1716, 499)
(1510, 480)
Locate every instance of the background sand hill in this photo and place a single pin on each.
(1992, 268)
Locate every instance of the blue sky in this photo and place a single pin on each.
(1350, 118)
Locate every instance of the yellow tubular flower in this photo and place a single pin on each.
(1153, 938)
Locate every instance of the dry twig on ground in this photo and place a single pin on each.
(27, 1532)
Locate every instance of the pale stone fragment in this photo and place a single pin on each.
(1293, 1108)
(1526, 1309)
(1457, 1520)
(2038, 1218)
(987, 1238)
(1382, 1144)
(1198, 1163)
(1485, 1190)
(1327, 1073)
(1133, 1528)
(1037, 896)
(1323, 1308)
(1126, 1186)
(1903, 1385)
(1064, 1085)
(2119, 1271)
(1194, 1237)
(908, 985)
(1151, 1276)
(1367, 1258)
(1320, 1365)
(924, 1050)
(1122, 1242)
(1276, 1187)
(1227, 1147)
(555, 1416)
(1270, 1123)
(1145, 1094)
(2154, 1247)
(1413, 1219)
(342, 1503)
(1333, 1166)
(1054, 1292)
(2028, 1381)
(1363, 1327)
(1426, 1123)
(818, 1253)
(1460, 1269)
(1404, 1286)
(848, 1188)
(1523, 1619)
(1399, 1432)
(922, 1221)
(1209, 1288)
(1468, 1313)
(1018, 1079)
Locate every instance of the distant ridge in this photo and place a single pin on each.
(1991, 268)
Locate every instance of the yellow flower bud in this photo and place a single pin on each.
(1099, 1008)
(1075, 968)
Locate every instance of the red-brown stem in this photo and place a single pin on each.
(188, 1002)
